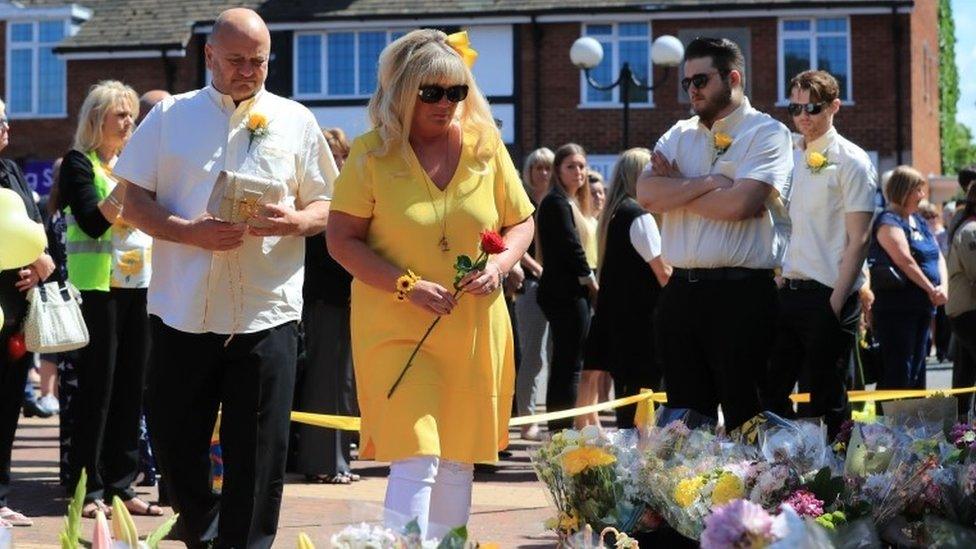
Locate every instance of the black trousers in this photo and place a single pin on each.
(111, 377)
(13, 376)
(569, 322)
(634, 361)
(327, 386)
(252, 381)
(904, 340)
(964, 366)
(714, 340)
(813, 348)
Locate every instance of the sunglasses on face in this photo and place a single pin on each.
(796, 109)
(699, 80)
(433, 94)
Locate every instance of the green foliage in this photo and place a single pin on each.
(958, 150)
(72, 521)
(455, 539)
(158, 534)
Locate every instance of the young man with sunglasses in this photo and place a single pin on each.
(719, 179)
(834, 184)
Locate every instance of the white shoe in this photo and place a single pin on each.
(50, 403)
(531, 432)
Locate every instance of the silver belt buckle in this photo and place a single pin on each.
(691, 276)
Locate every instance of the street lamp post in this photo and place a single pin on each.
(587, 53)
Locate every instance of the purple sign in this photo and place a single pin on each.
(39, 175)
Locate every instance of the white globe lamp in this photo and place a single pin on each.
(667, 51)
(586, 53)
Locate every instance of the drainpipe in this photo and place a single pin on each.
(537, 84)
(169, 71)
(896, 59)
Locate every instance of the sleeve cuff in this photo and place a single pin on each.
(587, 280)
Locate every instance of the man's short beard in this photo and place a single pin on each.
(709, 112)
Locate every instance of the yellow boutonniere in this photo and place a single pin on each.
(721, 142)
(816, 161)
(257, 126)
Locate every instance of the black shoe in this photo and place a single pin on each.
(32, 408)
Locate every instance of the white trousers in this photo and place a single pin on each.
(435, 492)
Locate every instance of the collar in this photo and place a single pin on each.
(726, 125)
(819, 144)
(226, 103)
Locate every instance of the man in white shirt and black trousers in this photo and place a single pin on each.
(720, 179)
(834, 184)
(225, 298)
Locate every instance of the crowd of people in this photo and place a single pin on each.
(729, 264)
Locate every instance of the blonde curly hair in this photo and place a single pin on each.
(424, 57)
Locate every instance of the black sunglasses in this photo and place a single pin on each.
(699, 80)
(433, 94)
(796, 109)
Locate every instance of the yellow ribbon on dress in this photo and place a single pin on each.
(460, 43)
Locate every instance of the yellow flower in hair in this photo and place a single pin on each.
(722, 142)
(460, 43)
(727, 488)
(586, 457)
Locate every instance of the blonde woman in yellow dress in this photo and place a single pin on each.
(415, 193)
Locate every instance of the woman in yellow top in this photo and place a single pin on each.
(415, 193)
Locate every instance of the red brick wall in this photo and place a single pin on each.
(926, 150)
(51, 138)
(868, 122)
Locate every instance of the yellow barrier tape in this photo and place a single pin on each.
(348, 423)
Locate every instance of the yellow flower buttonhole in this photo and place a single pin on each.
(257, 121)
(722, 141)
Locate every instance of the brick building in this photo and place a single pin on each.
(884, 52)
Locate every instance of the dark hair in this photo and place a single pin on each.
(966, 176)
(726, 55)
(821, 85)
(968, 210)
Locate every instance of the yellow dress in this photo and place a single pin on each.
(455, 401)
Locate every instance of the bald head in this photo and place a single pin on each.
(148, 101)
(238, 52)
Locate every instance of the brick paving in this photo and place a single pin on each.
(509, 504)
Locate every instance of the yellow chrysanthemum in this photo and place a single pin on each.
(569, 522)
(687, 490)
(131, 262)
(722, 141)
(727, 488)
(257, 121)
(816, 160)
(580, 459)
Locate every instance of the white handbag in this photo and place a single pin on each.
(54, 323)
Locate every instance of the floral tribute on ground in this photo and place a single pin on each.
(906, 479)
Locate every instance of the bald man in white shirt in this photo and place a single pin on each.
(225, 298)
(720, 179)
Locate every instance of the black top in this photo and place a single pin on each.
(13, 301)
(325, 279)
(564, 261)
(77, 183)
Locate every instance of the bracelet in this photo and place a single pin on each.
(405, 284)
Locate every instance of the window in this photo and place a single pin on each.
(339, 65)
(823, 44)
(622, 43)
(36, 78)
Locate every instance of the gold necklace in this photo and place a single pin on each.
(443, 243)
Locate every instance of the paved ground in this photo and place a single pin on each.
(509, 505)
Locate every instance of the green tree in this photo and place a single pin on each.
(958, 149)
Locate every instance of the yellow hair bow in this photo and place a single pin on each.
(460, 43)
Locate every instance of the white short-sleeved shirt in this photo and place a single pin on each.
(820, 201)
(177, 153)
(645, 237)
(761, 149)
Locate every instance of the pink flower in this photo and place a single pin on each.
(805, 504)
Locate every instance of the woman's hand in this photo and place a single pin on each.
(937, 296)
(432, 298)
(28, 278)
(43, 266)
(482, 282)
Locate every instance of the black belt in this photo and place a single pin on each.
(798, 284)
(720, 273)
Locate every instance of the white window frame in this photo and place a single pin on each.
(614, 37)
(35, 46)
(324, 53)
(811, 35)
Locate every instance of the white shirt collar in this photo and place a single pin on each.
(819, 144)
(730, 121)
(226, 102)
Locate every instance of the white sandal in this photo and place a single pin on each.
(9, 517)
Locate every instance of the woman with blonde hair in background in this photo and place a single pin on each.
(417, 190)
(568, 285)
(533, 328)
(108, 261)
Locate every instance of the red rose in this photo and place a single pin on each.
(16, 347)
(492, 243)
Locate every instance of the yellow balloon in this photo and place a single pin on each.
(21, 239)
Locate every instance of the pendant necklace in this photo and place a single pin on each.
(441, 217)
